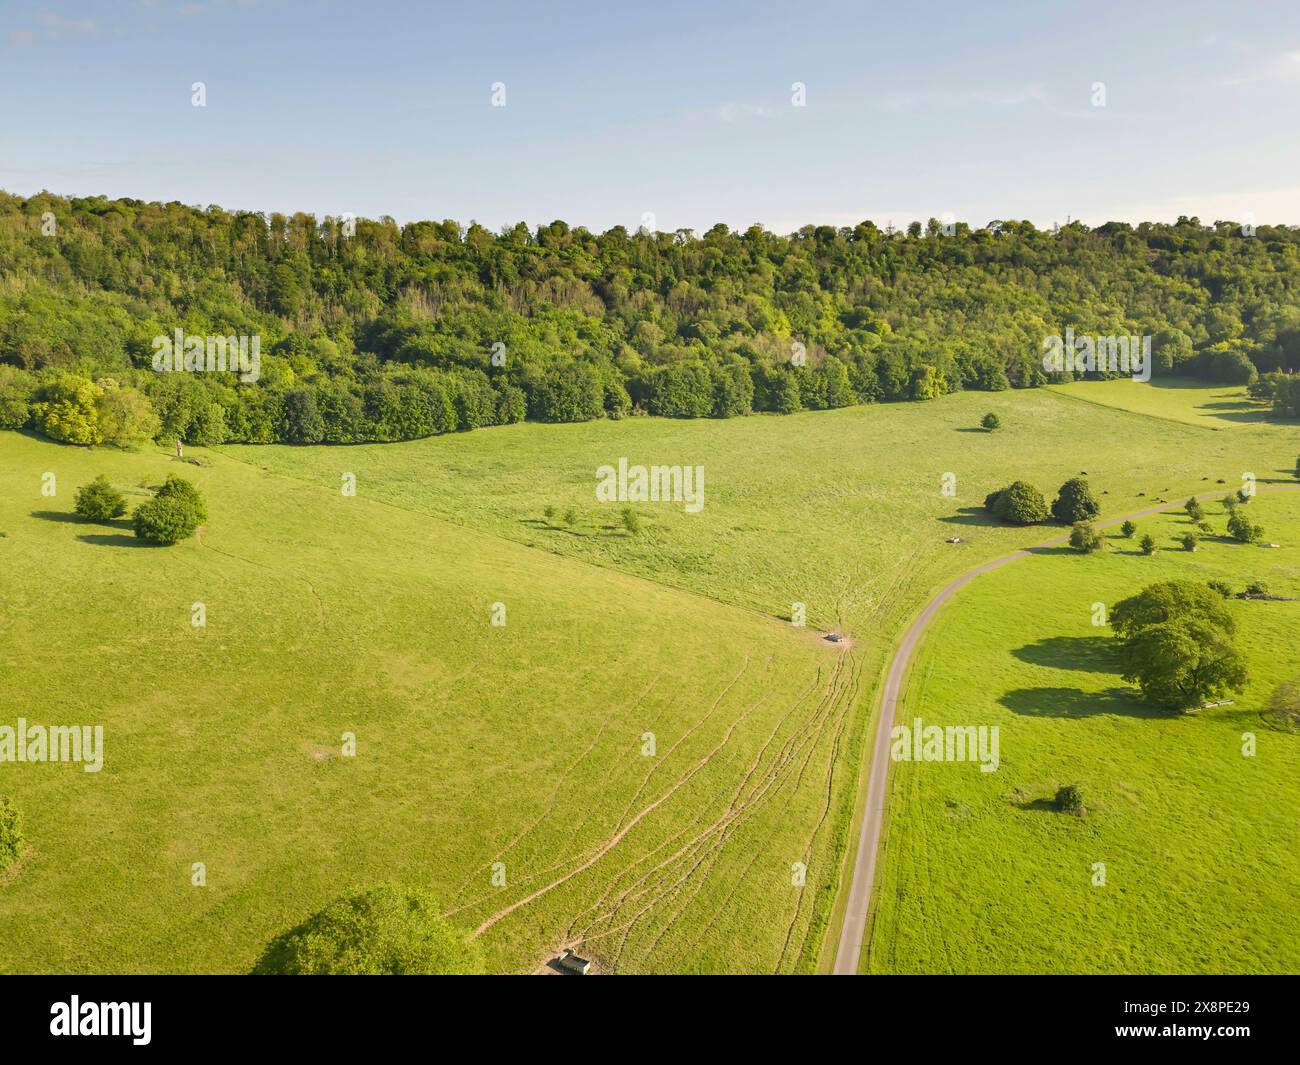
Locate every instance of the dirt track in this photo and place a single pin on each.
(849, 952)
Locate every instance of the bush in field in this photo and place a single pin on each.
(1086, 537)
(1147, 545)
(165, 520)
(991, 421)
(631, 520)
(1229, 503)
(1194, 509)
(570, 516)
(1020, 504)
(99, 500)
(1243, 497)
(548, 512)
(1222, 587)
(1075, 502)
(1257, 587)
(11, 833)
(1128, 529)
(183, 491)
(1189, 540)
(388, 931)
(1243, 530)
(1069, 800)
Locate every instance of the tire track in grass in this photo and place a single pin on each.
(555, 794)
(583, 855)
(714, 838)
(695, 821)
(618, 836)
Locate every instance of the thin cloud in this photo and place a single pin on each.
(1282, 68)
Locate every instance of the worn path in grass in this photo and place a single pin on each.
(853, 930)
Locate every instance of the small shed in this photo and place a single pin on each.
(571, 963)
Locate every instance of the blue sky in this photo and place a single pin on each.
(680, 110)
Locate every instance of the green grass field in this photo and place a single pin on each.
(521, 744)
(1200, 844)
(1175, 398)
(475, 744)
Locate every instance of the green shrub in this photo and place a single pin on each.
(11, 833)
(631, 520)
(991, 421)
(1147, 544)
(180, 489)
(389, 931)
(1128, 529)
(1086, 537)
(99, 500)
(165, 520)
(1194, 509)
(1020, 504)
(1069, 799)
(1189, 540)
(1243, 530)
(1075, 502)
(1222, 587)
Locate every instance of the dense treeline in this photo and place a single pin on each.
(374, 331)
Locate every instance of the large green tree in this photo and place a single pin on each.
(388, 931)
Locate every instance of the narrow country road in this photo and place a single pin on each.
(849, 952)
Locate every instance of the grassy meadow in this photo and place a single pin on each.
(1179, 399)
(523, 744)
(475, 744)
(1200, 844)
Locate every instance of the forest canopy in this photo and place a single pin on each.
(373, 331)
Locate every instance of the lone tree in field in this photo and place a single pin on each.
(1178, 644)
(1189, 540)
(1194, 509)
(99, 500)
(1147, 545)
(1069, 800)
(1128, 529)
(389, 931)
(1086, 537)
(11, 833)
(1243, 530)
(991, 421)
(570, 516)
(631, 520)
(1019, 503)
(1075, 502)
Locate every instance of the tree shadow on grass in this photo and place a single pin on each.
(973, 516)
(1073, 703)
(1044, 806)
(1088, 654)
(116, 540)
(77, 519)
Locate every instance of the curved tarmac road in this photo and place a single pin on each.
(849, 952)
